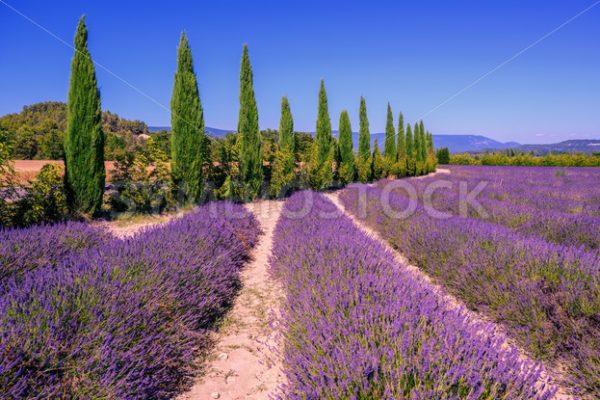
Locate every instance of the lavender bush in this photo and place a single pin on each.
(359, 326)
(546, 295)
(127, 319)
(560, 206)
(23, 250)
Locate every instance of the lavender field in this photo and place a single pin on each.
(477, 283)
(525, 253)
(359, 326)
(85, 315)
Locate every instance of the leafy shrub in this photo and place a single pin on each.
(141, 186)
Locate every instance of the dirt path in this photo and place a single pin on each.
(242, 364)
(447, 298)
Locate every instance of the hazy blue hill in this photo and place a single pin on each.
(459, 143)
(568, 146)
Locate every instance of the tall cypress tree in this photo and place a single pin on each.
(423, 141)
(346, 148)
(84, 139)
(401, 148)
(364, 136)
(390, 137)
(250, 157)
(321, 171)
(410, 152)
(418, 151)
(188, 139)
(323, 136)
(286, 127)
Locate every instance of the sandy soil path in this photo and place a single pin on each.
(440, 291)
(242, 364)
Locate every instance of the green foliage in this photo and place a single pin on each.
(346, 167)
(323, 136)
(443, 155)
(46, 201)
(364, 136)
(390, 137)
(42, 201)
(321, 171)
(411, 161)
(84, 139)
(250, 154)
(142, 186)
(38, 132)
(286, 127)
(524, 159)
(283, 175)
(304, 145)
(364, 169)
(401, 146)
(418, 150)
(188, 142)
(377, 163)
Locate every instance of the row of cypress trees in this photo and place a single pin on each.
(404, 154)
(333, 161)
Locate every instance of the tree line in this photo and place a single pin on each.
(242, 166)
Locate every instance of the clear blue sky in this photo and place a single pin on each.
(414, 54)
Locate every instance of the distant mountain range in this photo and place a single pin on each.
(463, 143)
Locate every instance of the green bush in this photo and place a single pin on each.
(282, 174)
(141, 186)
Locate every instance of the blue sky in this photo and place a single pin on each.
(414, 54)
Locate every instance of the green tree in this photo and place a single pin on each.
(346, 168)
(364, 136)
(401, 139)
(424, 142)
(443, 156)
(390, 137)
(84, 139)
(322, 163)
(417, 139)
(377, 163)
(286, 127)
(250, 157)
(410, 152)
(188, 139)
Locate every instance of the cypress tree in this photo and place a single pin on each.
(321, 172)
(286, 127)
(84, 139)
(377, 163)
(346, 148)
(250, 157)
(364, 136)
(410, 147)
(424, 145)
(410, 152)
(188, 139)
(323, 136)
(390, 137)
(401, 139)
(417, 138)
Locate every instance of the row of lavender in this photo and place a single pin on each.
(85, 315)
(570, 190)
(560, 206)
(358, 325)
(546, 295)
